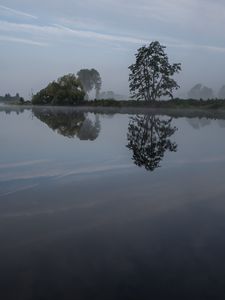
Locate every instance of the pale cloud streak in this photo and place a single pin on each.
(52, 33)
(63, 31)
(21, 41)
(22, 163)
(4, 10)
(172, 11)
(57, 171)
(200, 47)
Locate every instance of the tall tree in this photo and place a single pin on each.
(151, 75)
(90, 79)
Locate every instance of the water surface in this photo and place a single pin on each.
(111, 206)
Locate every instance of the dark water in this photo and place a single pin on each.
(111, 206)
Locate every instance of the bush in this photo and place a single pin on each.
(67, 90)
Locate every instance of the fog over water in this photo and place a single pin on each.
(42, 40)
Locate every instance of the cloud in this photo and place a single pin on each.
(172, 11)
(97, 169)
(199, 161)
(23, 163)
(4, 10)
(22, 41)
(200, 47)
(101, 36)
(58, 172)
(57, 30)
(82, 23)
(63, 31)
(20, 189)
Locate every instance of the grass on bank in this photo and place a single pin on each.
(175, 103)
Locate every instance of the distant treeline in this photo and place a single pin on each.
(11, 99)
(200, 91)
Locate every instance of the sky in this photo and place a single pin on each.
(43, 40)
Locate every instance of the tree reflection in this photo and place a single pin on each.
(10, 109)
(198, 123)
(70, 124)
(149, 138)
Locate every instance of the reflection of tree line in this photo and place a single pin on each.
(70, 124)
(148, 135)
(8, 110)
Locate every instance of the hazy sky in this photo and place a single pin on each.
(42, 40)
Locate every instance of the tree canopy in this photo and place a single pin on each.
(90, 79)
(67, 90)
(151, 75)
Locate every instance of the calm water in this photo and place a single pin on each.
(111, 206)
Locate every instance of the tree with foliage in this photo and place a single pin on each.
(67, 90)
(151, 75)
(149, 138)
(90, 79)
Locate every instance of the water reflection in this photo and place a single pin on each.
(198, 123)
(149, 138)
(80, 221)
(70, 124)
(12, 109)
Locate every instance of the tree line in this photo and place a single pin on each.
(151, 77)
(9, 98)
(148, 136)
(200, 91)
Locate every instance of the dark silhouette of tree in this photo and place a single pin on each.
(149, 138)
(8, 96)
(90, 79)
(67, 90)
(151, 75)
(70, 124)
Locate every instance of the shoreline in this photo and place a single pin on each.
(175, 112)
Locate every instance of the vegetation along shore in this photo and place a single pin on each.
(150, 81)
